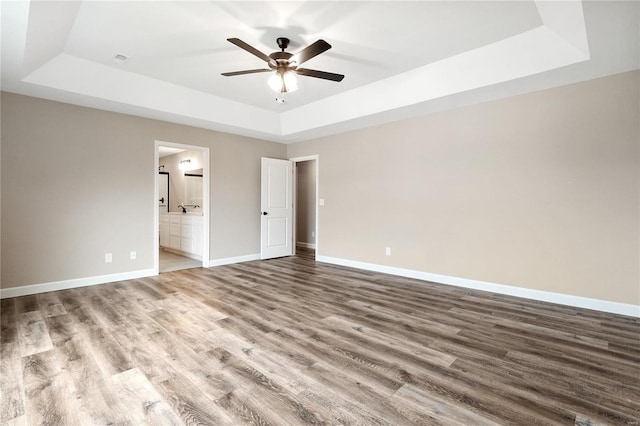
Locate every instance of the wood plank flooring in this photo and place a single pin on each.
(290, 341)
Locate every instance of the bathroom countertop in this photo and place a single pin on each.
(187, 213)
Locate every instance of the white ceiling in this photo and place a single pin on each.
(165, 151)
(400, 59)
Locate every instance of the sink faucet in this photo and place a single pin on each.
(184, 206)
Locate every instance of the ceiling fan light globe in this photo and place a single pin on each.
(275, 82)
(283, 82)
(290, 81)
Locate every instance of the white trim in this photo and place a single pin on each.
(77, 282)
(156, 208)
(545, 296)
(306, 245)
(231, 260)
(305, 158)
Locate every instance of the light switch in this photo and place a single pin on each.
(321, 201)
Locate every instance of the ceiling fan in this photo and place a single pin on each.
(284, 65)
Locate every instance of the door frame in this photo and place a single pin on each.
(206, 214)
(296, 160)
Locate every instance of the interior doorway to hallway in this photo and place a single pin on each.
(305, 230)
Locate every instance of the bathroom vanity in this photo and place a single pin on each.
(181, 233)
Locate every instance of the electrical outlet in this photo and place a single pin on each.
(387, 251)
(108, 257)
(133, 255)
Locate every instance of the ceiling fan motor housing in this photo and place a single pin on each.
(282, 58)
(283, 42)
(282, 62)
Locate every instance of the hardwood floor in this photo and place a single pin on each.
(290, 341)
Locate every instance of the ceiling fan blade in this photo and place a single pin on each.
(320, 74)
(314, 49)
(242, 45)
(231, 74)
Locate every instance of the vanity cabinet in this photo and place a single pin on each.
(164, 230)
(175, 226)
(186, 242)
(182, 233)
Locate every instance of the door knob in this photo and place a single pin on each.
(264, 213)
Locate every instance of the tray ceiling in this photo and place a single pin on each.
(400, 59)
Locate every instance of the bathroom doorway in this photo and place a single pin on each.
(181, 207)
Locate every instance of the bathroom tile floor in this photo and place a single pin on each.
(174, 262)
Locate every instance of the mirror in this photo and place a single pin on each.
(193, 188)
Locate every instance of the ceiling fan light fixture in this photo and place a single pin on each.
(284, 65)
(283, 82)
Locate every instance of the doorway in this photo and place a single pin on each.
(181, 216)
(306, 186)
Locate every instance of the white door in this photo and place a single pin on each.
(276, 208)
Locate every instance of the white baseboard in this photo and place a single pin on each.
(77, 282)
(306, 245)
(545, 296)
(231, 260)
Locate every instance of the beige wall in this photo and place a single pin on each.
(306, 202)
(538, 191)
(79, 182)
